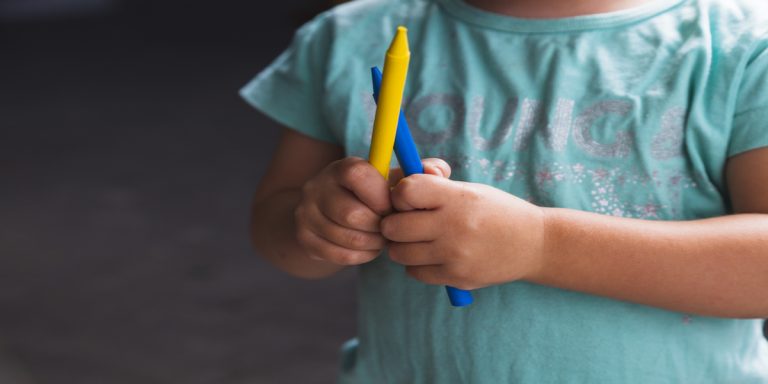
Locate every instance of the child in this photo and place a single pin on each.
(599, 176)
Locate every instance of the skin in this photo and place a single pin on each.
(316, 212)
(471, 236)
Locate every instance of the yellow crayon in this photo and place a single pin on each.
(390, 98)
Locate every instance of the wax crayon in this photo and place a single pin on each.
(410, 161)
(392, 85)
(405, 147)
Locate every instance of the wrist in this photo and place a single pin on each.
(547, 243)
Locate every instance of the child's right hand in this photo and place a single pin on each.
(338, 218)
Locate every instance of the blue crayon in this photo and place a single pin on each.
(410, 162)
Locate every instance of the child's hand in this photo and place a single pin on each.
(461, 234)
(341, 208)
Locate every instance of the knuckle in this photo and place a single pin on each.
(357, 239)
(355, 173)
(470, 194)
(472, 224)
(460, 254)
(353, 217)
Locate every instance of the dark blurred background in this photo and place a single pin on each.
(127, 162)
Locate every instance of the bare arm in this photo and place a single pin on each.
(470, 236)
(715, 267)
(298, 158)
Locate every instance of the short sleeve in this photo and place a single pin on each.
(290, 89)
(750, 121)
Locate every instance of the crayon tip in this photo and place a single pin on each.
(399, 46)
(376, 81)
(376, 75)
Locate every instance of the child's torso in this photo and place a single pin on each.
(627, 117)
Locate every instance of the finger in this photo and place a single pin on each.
(412, 226)
(421, 192)
(395, 175)
(344, 237)
(346, 210)
(321, 249)
(437, 167)
(365, 182)
(432, 166)
(412, 254)
(429, 274)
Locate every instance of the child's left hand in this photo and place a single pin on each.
(465, 235)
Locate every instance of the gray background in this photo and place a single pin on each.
(127, 162)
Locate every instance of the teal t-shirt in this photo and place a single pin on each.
(631, 113)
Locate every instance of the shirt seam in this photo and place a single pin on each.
(595, 25)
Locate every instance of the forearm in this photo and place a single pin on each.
(713, 267)
(273, 234)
